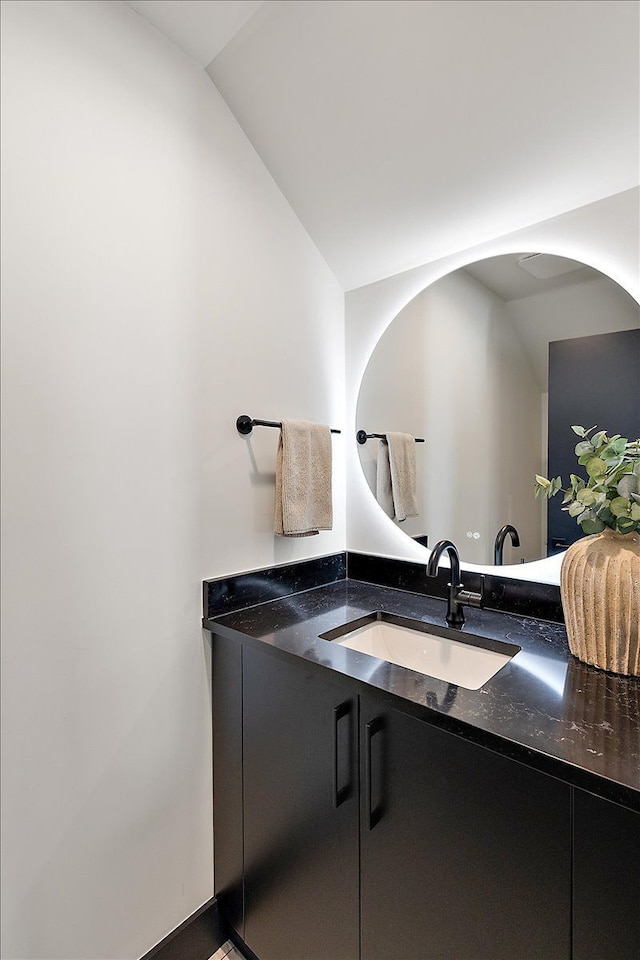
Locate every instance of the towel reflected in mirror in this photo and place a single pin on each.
(396, 490)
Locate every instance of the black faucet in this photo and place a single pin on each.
(457, 594)
(501, 536)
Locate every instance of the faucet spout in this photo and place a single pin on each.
(501, 536)
(457, 594)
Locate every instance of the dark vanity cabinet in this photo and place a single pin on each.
(346, 829)
(606, 880)
(285, 806)
(465, 854)
(301, 858)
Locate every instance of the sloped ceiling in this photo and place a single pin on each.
(504, 277)
(201, 28)
(403, 130)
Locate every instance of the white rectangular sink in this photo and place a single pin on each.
(463, 659)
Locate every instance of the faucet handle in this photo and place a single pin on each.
(470, 598)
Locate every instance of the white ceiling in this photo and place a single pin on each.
(201, 28)
(507, 280)
(403, 130)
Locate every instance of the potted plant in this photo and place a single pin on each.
(600, 574)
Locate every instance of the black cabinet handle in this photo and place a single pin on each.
(340, 794)
(374, 815)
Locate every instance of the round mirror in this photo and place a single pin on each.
(490, 366)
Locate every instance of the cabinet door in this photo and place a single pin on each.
(606, 880)
(465, 854)
(300, 813)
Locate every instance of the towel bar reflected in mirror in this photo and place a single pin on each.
(362, 436)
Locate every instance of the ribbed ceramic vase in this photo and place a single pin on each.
(600, 589)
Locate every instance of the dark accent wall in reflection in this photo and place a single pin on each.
(592, 380)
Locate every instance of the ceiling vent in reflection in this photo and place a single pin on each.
(545, 265)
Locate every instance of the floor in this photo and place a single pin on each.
(227, 952)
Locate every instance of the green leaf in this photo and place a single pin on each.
(585, 446)
(575, 508)
(627, 485)
(556, 484)
(586, 497)
(604, 514)
(635, 511)
(542, 481)
(592, 526)
(620, 507)
(579, 430)
(596, 467)
(613, 450)
(625, 525)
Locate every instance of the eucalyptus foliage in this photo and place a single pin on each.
(610, 496)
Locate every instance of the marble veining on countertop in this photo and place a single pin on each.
(544, 707)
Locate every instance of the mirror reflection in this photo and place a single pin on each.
(491, 365)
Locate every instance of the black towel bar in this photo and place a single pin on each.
(362, 436)
(245, 425)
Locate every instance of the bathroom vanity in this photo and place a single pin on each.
(366, 810)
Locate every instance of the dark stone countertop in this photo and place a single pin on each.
(544, 708)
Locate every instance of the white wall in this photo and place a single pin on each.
(452, 368)
(155, 285)
(604, 235)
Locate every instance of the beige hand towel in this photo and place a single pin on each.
(384, 494)
(398, 478)
(303, 479)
